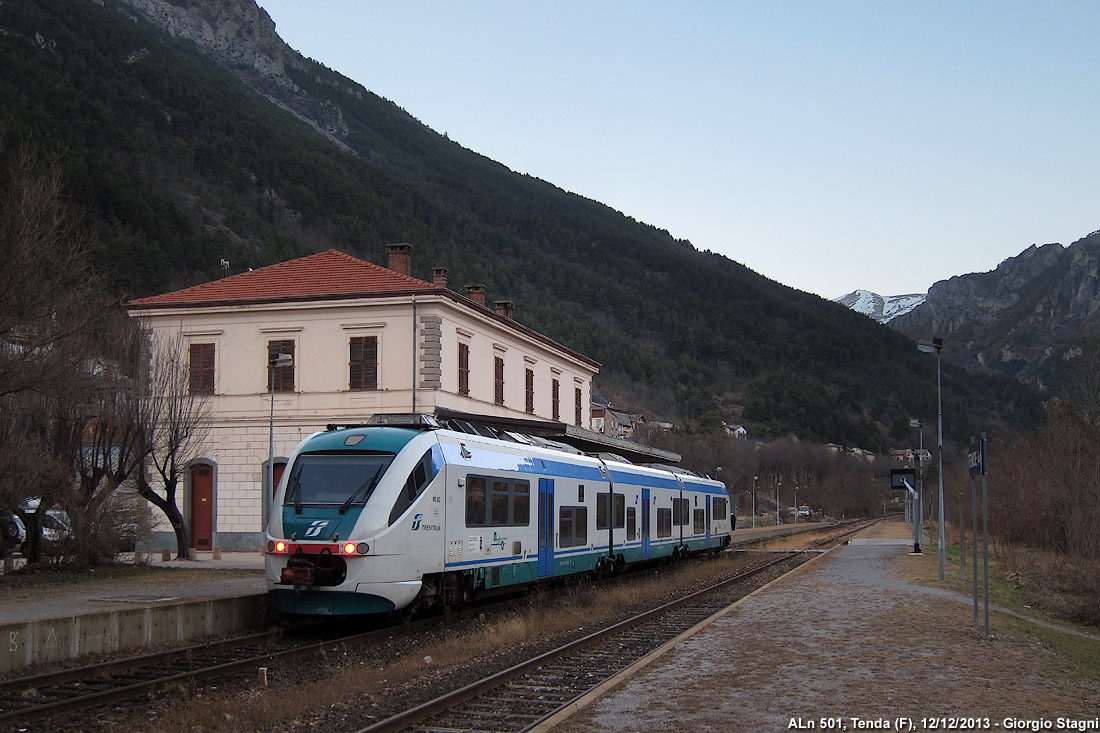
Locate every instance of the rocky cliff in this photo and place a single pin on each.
(1023, 319)
(241, 35)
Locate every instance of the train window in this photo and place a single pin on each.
(418, 480)
(335, 479)
(619, 504)
(719, 509)
(680, 511)
(572, 526)
(580, 492)
(699, 521)
(664, 522)
(497, 502)
(521, 503)
(631, 523)
(475, 501)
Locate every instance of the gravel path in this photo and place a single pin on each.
(845, 638)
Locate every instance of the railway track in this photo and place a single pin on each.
(48, 695)
(528, 693)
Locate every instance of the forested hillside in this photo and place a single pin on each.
(178, 163)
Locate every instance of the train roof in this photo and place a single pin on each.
(543, 434)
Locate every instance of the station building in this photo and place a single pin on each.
(361, 339)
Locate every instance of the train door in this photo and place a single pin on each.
(645, 524)
(546, 527)
(708, 520)
(202, 506)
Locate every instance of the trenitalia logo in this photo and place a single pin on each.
(315, 528)
(417, 519)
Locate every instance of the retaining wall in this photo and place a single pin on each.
(46, 641)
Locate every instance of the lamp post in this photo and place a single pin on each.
(778, 521)
(796, 505)
(935, 345)
(754, 500)
(919, 465)
(275, 361)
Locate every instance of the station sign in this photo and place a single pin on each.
(975, 458)
(900, 476)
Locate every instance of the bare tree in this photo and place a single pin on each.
(50, 308)
(51, 314)
(173, 423)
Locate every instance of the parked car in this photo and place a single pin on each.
(12, 534)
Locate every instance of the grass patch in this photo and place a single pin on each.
(1013, 590)
(46, 575)
(1081, 652)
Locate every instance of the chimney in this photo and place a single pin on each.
(439, 276)
(505, 308)
(476, 293)
(401, 258)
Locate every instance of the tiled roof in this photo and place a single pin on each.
(329, 273)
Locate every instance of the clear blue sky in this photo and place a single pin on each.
(830, 146)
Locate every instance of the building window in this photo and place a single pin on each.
(555, 400)
(202, 369)
(363, 362)
(464, 369)
(530, 391)
(280, 379)
(498, 380)
(577, 406)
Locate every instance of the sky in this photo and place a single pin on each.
(830, 146)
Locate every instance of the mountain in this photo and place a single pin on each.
(882, 308)
(188, 133)
(1024, 319)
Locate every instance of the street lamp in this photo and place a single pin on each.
(916, 423)
(754, 500)
(274, 361)
(796, 505)
(778, 521)
(929, 346)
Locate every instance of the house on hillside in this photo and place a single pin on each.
(615, 423)
(358, 339)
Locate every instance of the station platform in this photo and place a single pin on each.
(857, 638)
(45, 623)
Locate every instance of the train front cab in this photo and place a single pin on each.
(356, 522)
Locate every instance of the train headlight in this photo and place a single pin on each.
(349, 548)
(362, 548)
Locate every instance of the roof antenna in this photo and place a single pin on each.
(224, 264)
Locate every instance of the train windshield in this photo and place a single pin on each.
(343, 480)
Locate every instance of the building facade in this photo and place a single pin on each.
(356, 339)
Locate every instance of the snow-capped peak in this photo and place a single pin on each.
(882, 308)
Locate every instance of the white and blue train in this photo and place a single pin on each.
(373, 519)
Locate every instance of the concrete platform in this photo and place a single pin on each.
(850, 641)
(51, 623)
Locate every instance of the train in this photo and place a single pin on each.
(408, 513)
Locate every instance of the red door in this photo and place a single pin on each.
(202, 507)
(277, 475)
